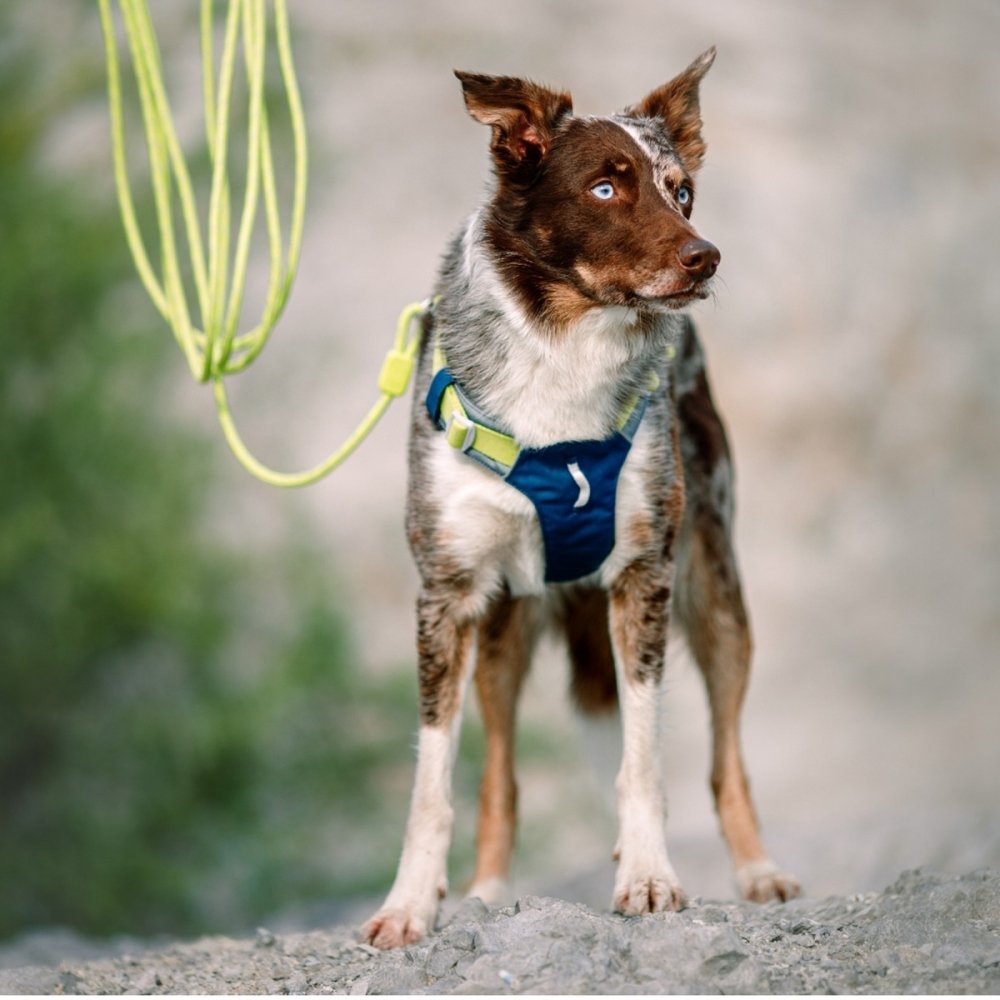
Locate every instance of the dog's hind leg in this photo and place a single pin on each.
(709, 605)
(445, 627)
(505, 644)
(715, 622)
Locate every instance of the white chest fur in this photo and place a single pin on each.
(565, 389)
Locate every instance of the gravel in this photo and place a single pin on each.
(928, 932)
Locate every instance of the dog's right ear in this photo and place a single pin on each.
(677, 104)
(523, 116)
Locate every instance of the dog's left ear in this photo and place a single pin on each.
(523, 116)
(676, 103)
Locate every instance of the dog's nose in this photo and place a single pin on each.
(699, 258)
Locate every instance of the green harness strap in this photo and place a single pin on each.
(464, 433)
(215, 348)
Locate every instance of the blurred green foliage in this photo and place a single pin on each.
(184, 744)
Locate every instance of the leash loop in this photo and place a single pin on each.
(399, 361)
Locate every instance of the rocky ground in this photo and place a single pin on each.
(851, 184)
(926, 933)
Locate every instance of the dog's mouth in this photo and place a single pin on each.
(677, 298)
(696, 291)
(660, 290)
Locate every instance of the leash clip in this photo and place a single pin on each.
(460, 431)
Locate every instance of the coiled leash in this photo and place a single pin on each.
(215, 349)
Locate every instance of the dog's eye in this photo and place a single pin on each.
(684, 195)
(605, 190)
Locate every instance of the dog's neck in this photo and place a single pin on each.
(541, 383)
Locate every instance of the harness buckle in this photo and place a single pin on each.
(460, 431)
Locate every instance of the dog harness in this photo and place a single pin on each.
(571, 484)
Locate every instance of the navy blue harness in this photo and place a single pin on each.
(572, 485)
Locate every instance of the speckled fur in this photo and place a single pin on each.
(555, 303)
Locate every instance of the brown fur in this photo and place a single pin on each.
(444, 634)
(640, 613)
(585, 259)
(506, 640)
(587, 213)
(676, 102)
(523, 117)
(584, 616)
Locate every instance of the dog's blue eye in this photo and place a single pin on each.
(605, 191)
(684, 196)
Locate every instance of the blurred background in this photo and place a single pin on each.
(207, 686)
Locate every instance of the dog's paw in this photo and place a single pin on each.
(762, 882)
(394, 928)
(648, 894)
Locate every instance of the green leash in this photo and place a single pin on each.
(215, 348)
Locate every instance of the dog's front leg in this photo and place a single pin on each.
(443, 640)
(639, 610)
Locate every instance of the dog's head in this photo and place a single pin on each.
(595, 211)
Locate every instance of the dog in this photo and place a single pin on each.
(568, 469)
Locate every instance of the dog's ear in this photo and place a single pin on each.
(676, 103)
(523, 116)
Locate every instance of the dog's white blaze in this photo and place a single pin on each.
(581, 480)
(656, 159)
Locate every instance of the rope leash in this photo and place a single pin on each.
(215, 348)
